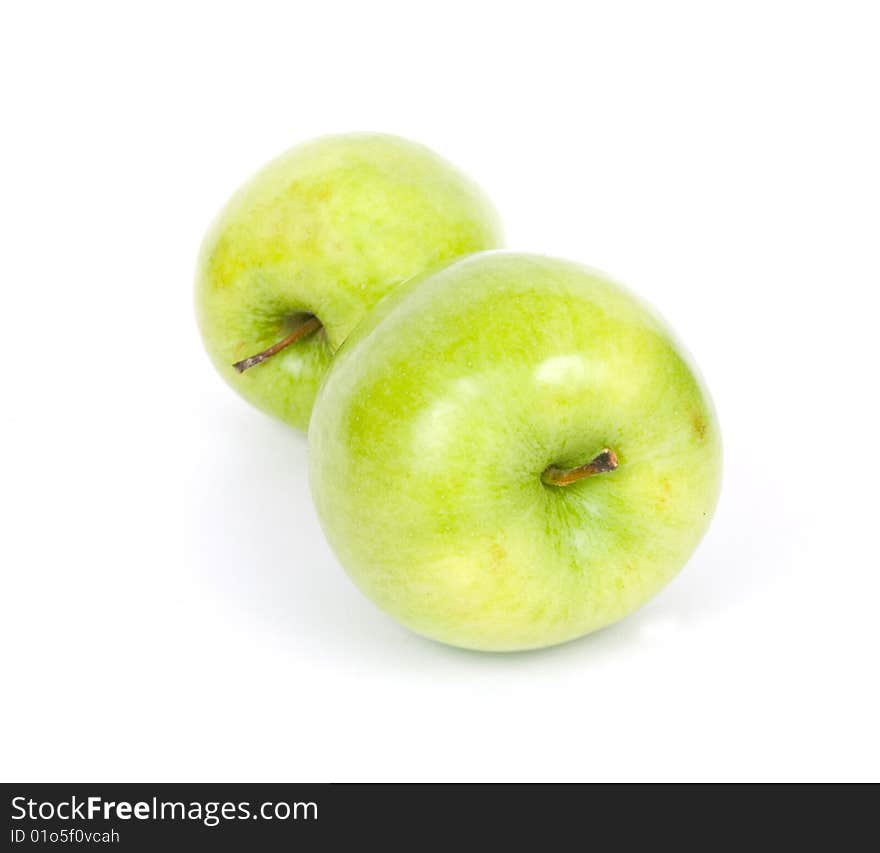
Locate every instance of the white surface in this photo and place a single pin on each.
(170, 610)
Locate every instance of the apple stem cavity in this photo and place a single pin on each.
(603, 463)
(303, 330)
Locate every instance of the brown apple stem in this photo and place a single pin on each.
(301, 331)
(606, 461)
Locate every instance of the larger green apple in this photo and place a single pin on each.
(513, 452)
(303, 250)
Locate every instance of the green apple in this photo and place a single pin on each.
(302, 251)
(513, 452)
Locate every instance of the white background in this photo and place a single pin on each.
(170, 610)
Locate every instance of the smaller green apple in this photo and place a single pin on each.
(513, 452)
(303, 250)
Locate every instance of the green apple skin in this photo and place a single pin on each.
(431, 432)
(327, 229)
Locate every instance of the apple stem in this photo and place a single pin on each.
(301, 331)
(603, 463)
